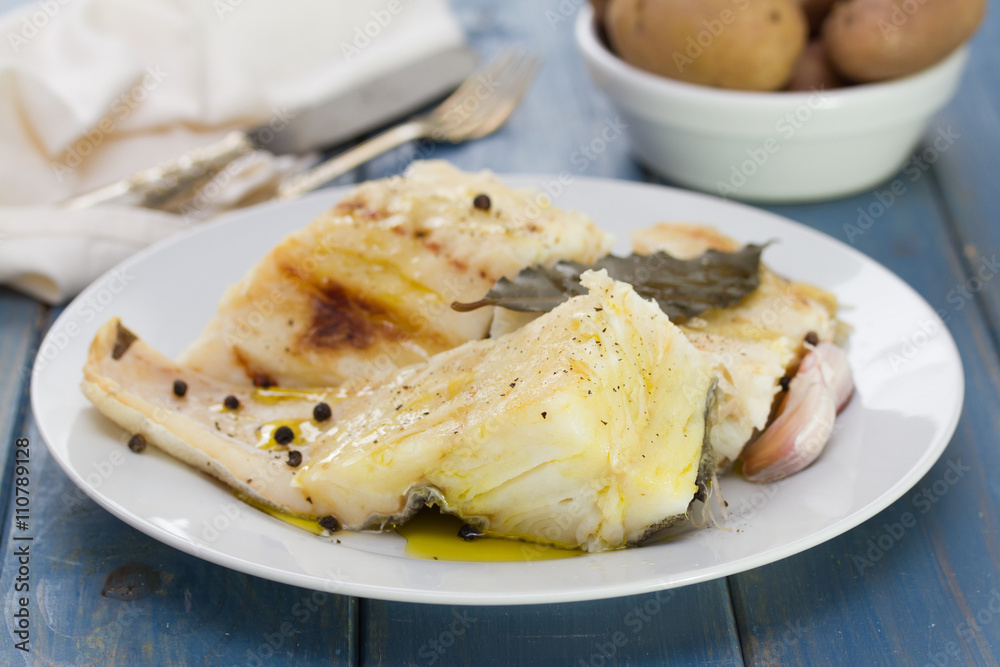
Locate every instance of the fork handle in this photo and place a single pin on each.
(152, 186)
(325, 172)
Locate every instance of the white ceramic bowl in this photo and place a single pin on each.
(776, 147)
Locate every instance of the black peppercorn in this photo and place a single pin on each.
(263, 381)
(330, 523)
(482, 202)
(283, 435)
(231, 402)
(812, 338)
(137, 443)
(322, 412)
(468, 532)
(294, 458)
(180, 388)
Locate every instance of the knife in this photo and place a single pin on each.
(341, 117)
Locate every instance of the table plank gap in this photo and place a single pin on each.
(876, 566)
(740, 631)
(692, 625)
(101, 590)
(23, 321)
(965, 161)
(84, 561)
(971, 262)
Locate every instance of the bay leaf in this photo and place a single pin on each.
(683, 288)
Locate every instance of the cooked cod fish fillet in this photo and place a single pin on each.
(751, 346)
(368, 285)
(585, 428)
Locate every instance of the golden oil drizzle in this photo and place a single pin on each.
(305, 523)
(304, 432)
(273, 395)
(434, 536)
(431, 535)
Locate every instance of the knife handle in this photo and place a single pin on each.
(153, 186)
(323, 173)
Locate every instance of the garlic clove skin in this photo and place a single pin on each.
(797, 436)
(836, 372)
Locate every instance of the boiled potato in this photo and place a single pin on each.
(816, 11)
(600, 9)
(873, 40)
(742, 44)
(813, 70)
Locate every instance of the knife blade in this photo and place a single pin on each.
(338, 118)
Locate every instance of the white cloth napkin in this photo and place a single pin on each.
(93, 90)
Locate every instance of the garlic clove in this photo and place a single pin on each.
(836, 372)
(797, 436)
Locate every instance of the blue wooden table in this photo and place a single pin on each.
(931, 599)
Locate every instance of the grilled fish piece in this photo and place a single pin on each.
(584, 428)
(752, 345)
(368, 285)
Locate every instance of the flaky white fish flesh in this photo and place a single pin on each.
(583, 428)
(752, 345)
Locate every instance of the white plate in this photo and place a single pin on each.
(909, 395)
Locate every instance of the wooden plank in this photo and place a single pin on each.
(686, 626)
(965, 171)
(21, 322)
(104, 593)
(904, 600)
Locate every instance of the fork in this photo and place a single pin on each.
(480, 105)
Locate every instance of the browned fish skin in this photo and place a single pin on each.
(368, 285)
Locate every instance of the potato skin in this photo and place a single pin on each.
(740, 44)
(600, 10)
(875, 40)
(813, 70)
(816, 11)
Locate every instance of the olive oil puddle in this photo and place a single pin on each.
(311, 525)
(431, 535)
(434, 536)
